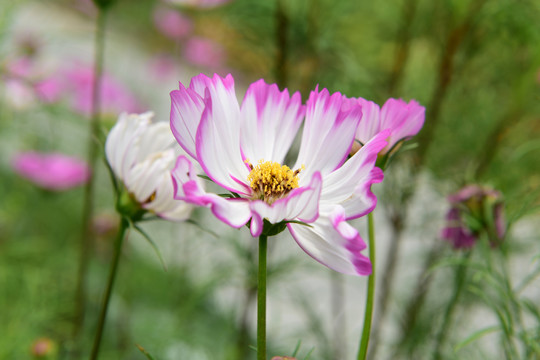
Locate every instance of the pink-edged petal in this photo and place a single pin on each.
(186, 110)
(270, 120)
(187, 187)
(329, 130)
(350, 185)
(218, 137)
(300, 204)
(370, 124)
(333, 242)
(411, 125)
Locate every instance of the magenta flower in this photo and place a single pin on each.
(242, 149)
(404, 120)
(51, 171)
(199, 3)
(204, 52)
(78, 86)
(474, 209)
(172, 23)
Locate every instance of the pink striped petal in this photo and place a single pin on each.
(234, 212)
(270, 120)
(329, 130)
(333, 242)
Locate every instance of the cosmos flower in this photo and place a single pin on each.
(204, 52)
(172, 23)
(141, 155)
(474, 209)
(51, 171)
(242, 149)
(404, 120)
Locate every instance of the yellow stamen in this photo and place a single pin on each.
(271, 181)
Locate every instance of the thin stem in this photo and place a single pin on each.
(261, 300)
(461, 275)
(282, 24)
(88, 203)
(364, 342)
(110, 283)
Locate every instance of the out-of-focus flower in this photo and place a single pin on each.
(49, 90)
(43, 348)
(242, 149)
(141, 155)
(198, 3)
(474, 209)
(204, 52)
(162, 67)
(51, 171)
(404, 120)
(78, 83)
(172, 23)
(283, 358)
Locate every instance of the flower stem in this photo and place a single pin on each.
(110, 283)
(362, 352)
(88, 202)
(461, 275)
(261, 300)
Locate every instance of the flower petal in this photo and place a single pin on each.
(187, 106)
(302, 204)
(404, 120)
(329, 131)
(370, 124)
(270, 120)
(333, 242)
(350, 185)
(234, 212)
(218, 137)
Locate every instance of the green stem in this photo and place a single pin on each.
(461, 275)
(362, 352)
(88, 202)
(110, 283)
(261, 300)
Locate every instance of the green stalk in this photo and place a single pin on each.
(110, 283)
(362, 352)
(461, 275)
(88, 202)
(261, 300)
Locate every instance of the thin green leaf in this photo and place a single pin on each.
(193, 222)
(152, 243)
(141, 349)
(309, 353)
(475, 336)
(298, 344)
(205, 177)
(299, 223)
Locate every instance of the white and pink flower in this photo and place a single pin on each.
(242, 149)
(404, 120)
(141, 154)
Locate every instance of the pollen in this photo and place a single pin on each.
(271, 181)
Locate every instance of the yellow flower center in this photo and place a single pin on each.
(271, 181)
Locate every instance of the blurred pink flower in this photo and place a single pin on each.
(162, 66)
(172, 23)
(43, 348)
(77, 84)
(474, 209)
(199, 3)
(49, 90)
(204, 52)
(51, 171)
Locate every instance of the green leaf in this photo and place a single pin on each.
(152, 243)
(298, 344)
(205, 177)
(475, 336)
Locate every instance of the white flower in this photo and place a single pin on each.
(142, 155)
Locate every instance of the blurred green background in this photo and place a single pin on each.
(474, 65)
